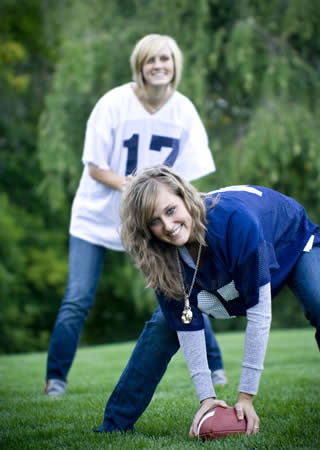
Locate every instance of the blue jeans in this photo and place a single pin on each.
(150, 358)
(305, 283)
(85, 265)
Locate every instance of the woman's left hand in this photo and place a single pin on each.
(244, 408)
(206, 404)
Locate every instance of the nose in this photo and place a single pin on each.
(166, 224)
(157, 62)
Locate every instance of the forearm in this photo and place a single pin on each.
(108, 177)
(193, 346)
(256, 340)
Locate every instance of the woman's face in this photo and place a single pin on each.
(158, 70)
(171, 221)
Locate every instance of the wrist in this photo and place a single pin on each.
(245, 396)
(206, 400)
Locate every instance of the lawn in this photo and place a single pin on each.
(287, 403)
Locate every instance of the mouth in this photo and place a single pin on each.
(160, 73)
(174, 233)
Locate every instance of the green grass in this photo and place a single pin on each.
(287, 403)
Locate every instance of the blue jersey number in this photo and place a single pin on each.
(156, 144)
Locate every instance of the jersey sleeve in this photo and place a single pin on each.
(241, 251)
(252, 257)
(195, 160)
(99, 136)
(172, 311)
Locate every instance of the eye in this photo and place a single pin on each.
(150, 60)
(164, 58)
(154, 222)
(171, 210)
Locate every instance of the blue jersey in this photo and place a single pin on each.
(254, 236)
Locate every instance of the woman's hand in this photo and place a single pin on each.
(244, 408)
(206, 404)
(125, 181)
(109, 178)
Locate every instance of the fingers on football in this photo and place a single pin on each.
(239, 412)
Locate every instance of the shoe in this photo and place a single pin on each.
(219, 377)
(55, 387)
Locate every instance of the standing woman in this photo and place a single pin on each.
(226, 253)
(133, 126)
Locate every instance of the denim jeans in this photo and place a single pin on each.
(85, 265)
(305, 283)
(149, 360)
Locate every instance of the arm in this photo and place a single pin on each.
(193, 346)
(108, 177)
(98, 145)
(256, 340)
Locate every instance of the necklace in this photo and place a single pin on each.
(186, 316)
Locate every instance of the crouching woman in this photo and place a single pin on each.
(227, 254)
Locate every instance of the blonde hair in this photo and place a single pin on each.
(157, 259)
(148, 47)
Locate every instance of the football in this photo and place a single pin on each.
(219, 422)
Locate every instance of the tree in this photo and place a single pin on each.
(265, 80)
(31, 269)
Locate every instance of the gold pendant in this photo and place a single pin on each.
(186, 316)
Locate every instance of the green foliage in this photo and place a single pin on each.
(85, 70)
(264, 74)
(280, 150)
(287, 402)
(122, 303)
(24, 276)
(11, 53)
(32, 271)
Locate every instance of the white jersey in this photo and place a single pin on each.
(122, 136)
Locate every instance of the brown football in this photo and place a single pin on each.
(219, 422)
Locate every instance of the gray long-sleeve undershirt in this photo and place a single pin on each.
(192, 344)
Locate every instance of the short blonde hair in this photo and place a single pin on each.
(148, 47)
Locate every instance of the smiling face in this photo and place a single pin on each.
(171, 222)
(158, 70)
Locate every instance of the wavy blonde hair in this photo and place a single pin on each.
(157, 259)
(148, 47)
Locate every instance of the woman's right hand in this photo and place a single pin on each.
(109, 178)
(124, 182)
(206, 404)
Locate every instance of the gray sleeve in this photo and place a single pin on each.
(193, 346)
(256, 340)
